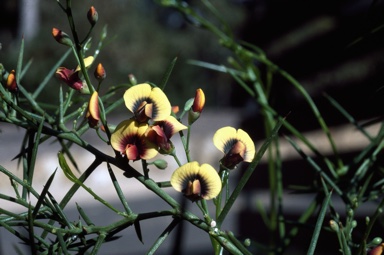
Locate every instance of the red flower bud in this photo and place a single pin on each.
(92, 16)
(197, 107)
(199, 102)
(61, 37)
(100, 73)
(11, 82)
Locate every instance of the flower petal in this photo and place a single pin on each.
(155, 102)
(87, 62)
(161, 105)
(224, 138)
(129, 140)
(135, 95)
(171, 126)
(196, 182)
(94, 106)
(249, 145)
(122, 134)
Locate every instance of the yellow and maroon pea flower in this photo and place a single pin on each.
(161, 132)
(196, 182)
(61, 37)
(147, 103)
(100, 73)
(72, 77)
(92, 15)
(93, 113)
(197, 107)
(11, 82)
(130, 140)
(236, 145)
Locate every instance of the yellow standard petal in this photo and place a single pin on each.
(147, 102)
(224, 138)
(196, 182)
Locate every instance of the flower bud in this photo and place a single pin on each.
(197, 106)
(376, 241)
(132, 79)
(175, 109)
(199, 102)
(334, 225)
(11, 82)
(100, 73)
(92, 16)
(61, 37)
(160, 164)
(247, 242)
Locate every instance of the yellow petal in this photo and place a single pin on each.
(249, 145)
(87, 62)
(122, 131)
(161, 105)
(183, 180)
(172, 126)
(128, 138)
(213, 181)
(94, 106)
(224, 137)
(136, 95)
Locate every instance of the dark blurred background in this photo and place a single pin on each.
(332, 46)
(336, 47)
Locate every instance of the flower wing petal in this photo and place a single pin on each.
(211, 179)
(161, 105)
(172, 126)
(94, 106)
(121, 135)
(249, 145)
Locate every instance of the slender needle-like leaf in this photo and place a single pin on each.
(319, 224)
(167, 74)
(119, 192)
(43, 194)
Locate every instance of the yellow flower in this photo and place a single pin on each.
(196, 182)
(130, 140)
(236, 145)
(147, 102)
